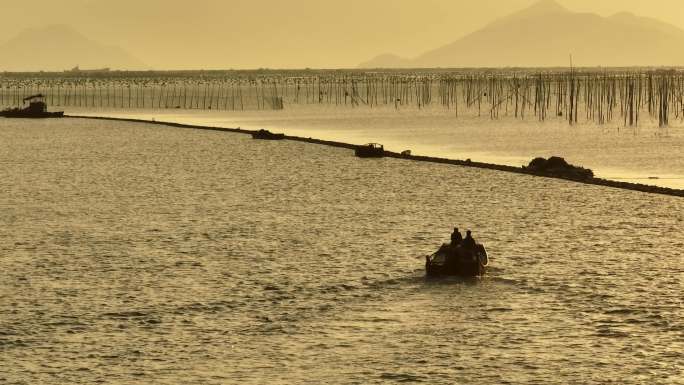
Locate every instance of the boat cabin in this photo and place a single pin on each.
(36, 103)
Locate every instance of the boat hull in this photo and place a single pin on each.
(365, 152)
(457, 261)
(31, 115)
(261, 135)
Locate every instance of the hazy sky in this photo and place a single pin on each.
(169, 34)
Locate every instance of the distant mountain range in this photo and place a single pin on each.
(546, 34)
(59, 47)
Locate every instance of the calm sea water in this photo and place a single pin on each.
(646, 154)
(138, 254)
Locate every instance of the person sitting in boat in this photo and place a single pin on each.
(456, 237)
(469, 241)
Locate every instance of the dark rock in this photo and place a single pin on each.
(558, 167)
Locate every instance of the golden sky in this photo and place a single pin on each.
(176, 34)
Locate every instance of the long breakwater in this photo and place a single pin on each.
(627, 97)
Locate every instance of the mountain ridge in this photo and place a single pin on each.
(60, 47)
(545, 34)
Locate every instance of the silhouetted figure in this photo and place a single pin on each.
(469, 242)
(456, 237)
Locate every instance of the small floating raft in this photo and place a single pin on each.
(267, 135)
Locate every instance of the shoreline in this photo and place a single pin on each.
(418, 158)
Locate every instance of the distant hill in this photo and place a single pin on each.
(545, 34)
(57, 48)
(394, 60)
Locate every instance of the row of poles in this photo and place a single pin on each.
(600, 97)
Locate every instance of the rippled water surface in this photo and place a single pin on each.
(646, 154)
(133, 253)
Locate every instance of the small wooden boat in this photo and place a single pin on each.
(267, 135)
(37, 109)
(458, 261)
(370, 150)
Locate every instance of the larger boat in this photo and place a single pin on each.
(37, 108)
(95, 70)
